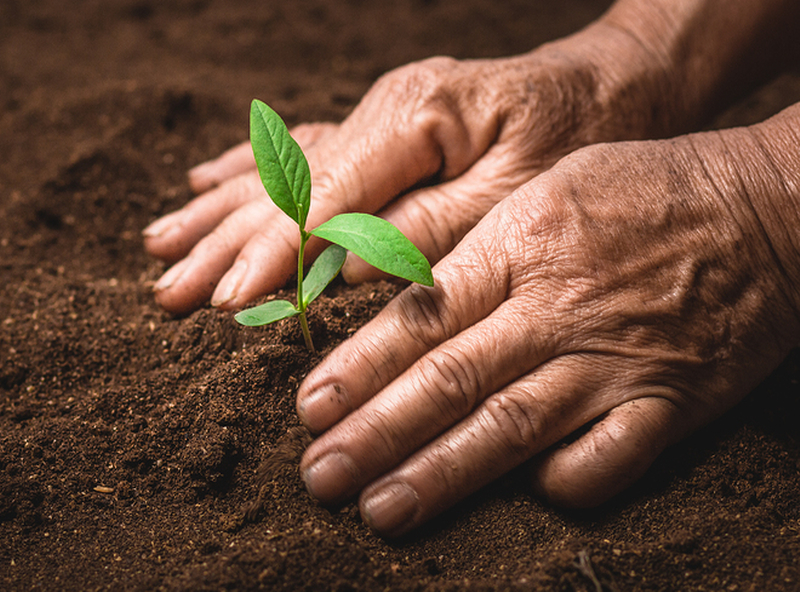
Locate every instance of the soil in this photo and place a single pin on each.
(144, 452)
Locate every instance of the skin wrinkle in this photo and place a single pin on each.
(427, 218)
(639, 123)
(471, 376)
(562, 117)
(577, 100)
(422, 87)
(423, 317)
(463, 387)
(497, 273)
(444, 123)
(391, 443)
(689, 280)
(377, 372)
(520, 424)
(547, 422)
(539, 346)
(325, 183)
(595, 444)
(664, 332)
(747, 199)
(449, 473)
(441, 463)
(441, 398)
(785, 186)
(527, 235)
(699, 160)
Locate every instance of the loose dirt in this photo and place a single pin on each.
(144, 452)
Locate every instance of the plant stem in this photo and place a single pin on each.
(306, 332)
(304, 236)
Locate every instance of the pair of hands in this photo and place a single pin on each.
(628, 289)
(432, 147)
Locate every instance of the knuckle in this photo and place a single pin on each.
(427, 87)
(437, 235)
(387, 440)
(241, 189)
(454, 384)
(436, 101)
(423, 315)
(517, 425)
(213, 246)
(341, 187)
(420, 78)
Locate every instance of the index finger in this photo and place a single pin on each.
(469, 285)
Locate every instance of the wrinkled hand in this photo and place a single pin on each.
(625, 297)
(467, 132)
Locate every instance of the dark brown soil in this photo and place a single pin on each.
(140, 451)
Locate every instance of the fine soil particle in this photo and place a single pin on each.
(140, 451)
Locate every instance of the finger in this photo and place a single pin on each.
(267, 259)
(352, 170)
(611, 456)
(340, 187)
(308, 134)
(239, 159)
(171, 237)
(393, 139)
(190, 283)
(436, 218)
(440, 390)
(230, 163)
(252, 252)
(469, 285)
(506, 430)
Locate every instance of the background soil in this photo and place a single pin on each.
(140, 451)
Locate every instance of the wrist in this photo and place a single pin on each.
(776, 199)
(672, 64)
(627, 84)
(755, 170)
(634, 82)
(593, 86)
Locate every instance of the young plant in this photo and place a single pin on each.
(286, 177)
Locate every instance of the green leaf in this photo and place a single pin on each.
(281, 163)
(378, 243)
(264, 314)
(322, 272)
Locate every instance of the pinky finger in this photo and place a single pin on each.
(610, 457)
(229, 164)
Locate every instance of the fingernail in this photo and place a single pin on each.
(324, 407)
(392, 509)
(332, 478)
(172, 275)
(228, 288)
(160, 227)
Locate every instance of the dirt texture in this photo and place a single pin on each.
(144, 452)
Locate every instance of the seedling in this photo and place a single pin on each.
(286, 176)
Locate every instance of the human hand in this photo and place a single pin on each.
(469, 131)
(634, 291)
